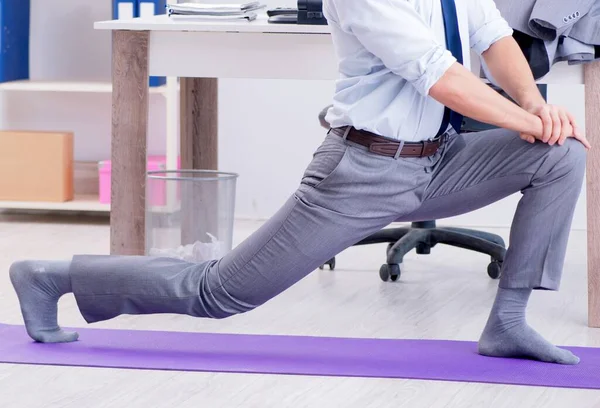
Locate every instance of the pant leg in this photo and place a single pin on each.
(346, 194)
(482, 168)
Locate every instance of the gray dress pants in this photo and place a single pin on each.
(347, 194)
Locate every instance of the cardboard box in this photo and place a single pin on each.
(36, 166)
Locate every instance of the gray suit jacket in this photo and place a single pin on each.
(550, 19)
(549, 31)
(587, 30)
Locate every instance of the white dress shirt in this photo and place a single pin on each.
(391, 52)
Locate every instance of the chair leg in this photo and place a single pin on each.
(406, 244)
(385, 235)
(488, 236)
(423, 236)
(470, 242)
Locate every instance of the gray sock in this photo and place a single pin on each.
(507, 333)
(39, 285)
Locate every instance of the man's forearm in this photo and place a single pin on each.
(463, 92)
(510, 70)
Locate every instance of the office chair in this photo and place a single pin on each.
(423, 236)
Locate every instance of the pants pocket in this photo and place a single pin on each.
(326, 160)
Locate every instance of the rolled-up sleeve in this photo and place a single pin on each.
(394, 32)
(486, 25)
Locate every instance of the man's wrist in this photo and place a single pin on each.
(535, 126)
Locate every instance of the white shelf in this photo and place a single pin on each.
(80, 203)
(83, 203)
(66, 86)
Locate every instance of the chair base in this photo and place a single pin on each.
(422, 236)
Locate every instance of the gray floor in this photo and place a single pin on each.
(446, 295)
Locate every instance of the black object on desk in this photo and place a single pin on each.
(283, 15)
(308, 12)
(282, 11)
(284, 19)
(311, 12)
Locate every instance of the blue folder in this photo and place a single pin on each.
(14, 40)
(151, 8)
(125, 9)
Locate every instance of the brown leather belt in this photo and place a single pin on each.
(389, 147)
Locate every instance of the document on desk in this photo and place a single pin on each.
(207, 11)
(213, 9)
(208, 17)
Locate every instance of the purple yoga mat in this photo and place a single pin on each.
(326, 356)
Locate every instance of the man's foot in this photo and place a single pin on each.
(523, 342)
(39, 285)
(507, 333)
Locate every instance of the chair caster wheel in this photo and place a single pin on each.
(389, 272)
(494, 269)
(331, 264)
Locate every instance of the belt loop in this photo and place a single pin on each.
(399, 151)
(346, 132)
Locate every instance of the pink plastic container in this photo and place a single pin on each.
(155, 163)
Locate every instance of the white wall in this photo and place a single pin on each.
(268, 129)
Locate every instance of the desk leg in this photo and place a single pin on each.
(199, 140)
(592, 124)
(128, 141)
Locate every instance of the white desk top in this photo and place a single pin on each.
(163, 26)
(164, 23)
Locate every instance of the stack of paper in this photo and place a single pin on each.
(207, 11)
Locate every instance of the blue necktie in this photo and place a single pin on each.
(454, 45)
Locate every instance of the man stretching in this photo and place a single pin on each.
(393, 154)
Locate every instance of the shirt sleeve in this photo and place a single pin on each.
(486, 25)
(395, 33)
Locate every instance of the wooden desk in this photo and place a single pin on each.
(201, 52)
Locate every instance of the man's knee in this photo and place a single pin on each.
(575, 156)
(219, 298)
(568, 159)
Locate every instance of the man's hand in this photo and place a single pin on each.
(558, 125)
(510, 69)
